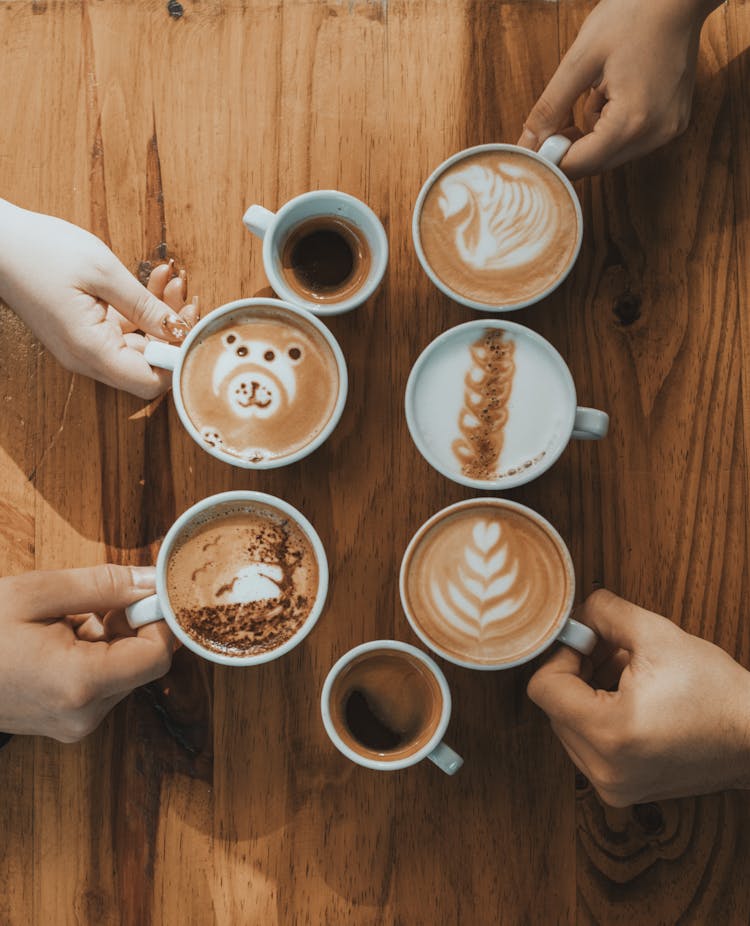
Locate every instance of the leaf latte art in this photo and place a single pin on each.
(486, 584)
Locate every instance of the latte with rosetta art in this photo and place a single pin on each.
(486, 584)
(499, 228)
(244, 580)
(260, 386)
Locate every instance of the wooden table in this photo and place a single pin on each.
(215, 796)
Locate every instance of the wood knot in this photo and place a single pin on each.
(175, 9)
(649, 817)
(628, 308)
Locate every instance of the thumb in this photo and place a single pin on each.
(52, 594)
(118, 287)
(551, 111)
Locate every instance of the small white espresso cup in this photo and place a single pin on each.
(540, 411)
(489, 587)
(435, 749)
(275, 227)
(157, 607)
(170, 357)
(550, 154)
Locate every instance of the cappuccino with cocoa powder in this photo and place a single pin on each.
(499, 227)
(486, 584)
(243, 579)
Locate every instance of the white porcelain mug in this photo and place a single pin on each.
(531, 402)
(170, 357)
(483, 589)
(478, 205)
(157, 607)
(434, 749)
(274, 229)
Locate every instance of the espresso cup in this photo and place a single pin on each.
(497, 227)
(325, 250)
(386, 706)
(491, 404)
(241, 579)
(489, 584)
(258, 383)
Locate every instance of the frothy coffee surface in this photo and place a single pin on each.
(243, 582)
(499, 228)
(487, 585)
(386, 704)
(260, 386)
(325, 259)
(490, 403)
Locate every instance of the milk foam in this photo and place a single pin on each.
(503, 217)
(537, 410)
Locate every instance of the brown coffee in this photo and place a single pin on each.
(260, 386)
(243, 581)
(487, 584)
(499, 228)
(386, 704)
(325, 259)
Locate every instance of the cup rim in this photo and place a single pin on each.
(379, 254)
(384, 765)
(499, 503)
(212, 318)
(506, 482)
(240, 496)
(417, 237)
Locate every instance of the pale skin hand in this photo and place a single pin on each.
(655, 713)
(84, 305)
(61, 674)
(636, 61)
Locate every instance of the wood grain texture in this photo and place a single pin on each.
(214, 796)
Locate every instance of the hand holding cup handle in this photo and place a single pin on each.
(578, 637)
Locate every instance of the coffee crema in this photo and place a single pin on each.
(486, 584)
(260, 386)
(385, 704)
(499, 228)
(242, 582)
(325, 259)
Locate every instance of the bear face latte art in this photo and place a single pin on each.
(262, 385)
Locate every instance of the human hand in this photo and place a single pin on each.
(84, 305)
(637, 59)
(654, 713)
(66, 653)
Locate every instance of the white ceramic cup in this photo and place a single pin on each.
(275, 227)
(169, 357)
(566, 630)
(157, 607)
(435, 749)
(550, 154)
(440, 388)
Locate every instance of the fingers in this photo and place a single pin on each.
(148, 313)
(558, 689)
(592, 108)
(621, 623)
(550, 113)
(127, 662)
(129, 370)
(46, 595)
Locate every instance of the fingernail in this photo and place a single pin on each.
(143, 576)
(196, 308)
(171, 266)
(177, 328)
(528, 140)
(183, 277)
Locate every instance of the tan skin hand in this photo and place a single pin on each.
(67, 655)
(84, 305)
(635, 60)
(655, 713)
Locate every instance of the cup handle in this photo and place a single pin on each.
(577, 636)
(555, 148)
(590, 423)
(145, 611)
(159, 354)
(257, 219)
(446, 759)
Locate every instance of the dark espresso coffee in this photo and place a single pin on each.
(243, 581)
(325, 259)
(386, 704)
